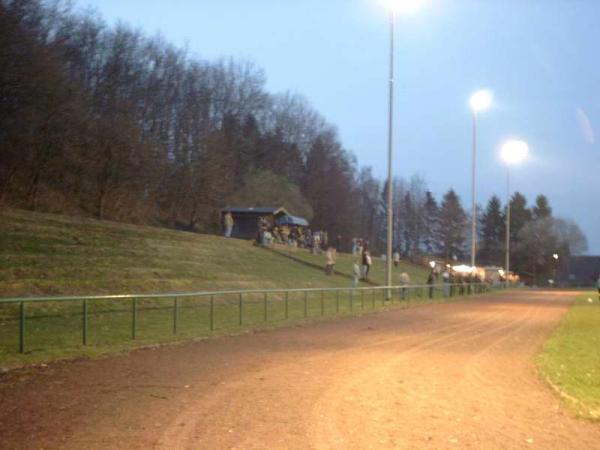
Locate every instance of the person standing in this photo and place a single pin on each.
(446, 279)
(355, 274)
(330, 261)
(366, 262)
(430, 281)
(396, 257)
(228, 222)
(404, 281)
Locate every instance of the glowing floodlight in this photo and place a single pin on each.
(514, 151)
(403, 6)
(481, 100)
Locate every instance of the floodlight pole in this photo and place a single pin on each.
(474, 205)
(390, 195)
(507, 262)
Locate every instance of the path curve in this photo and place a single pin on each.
(458, 375)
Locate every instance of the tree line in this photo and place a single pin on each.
(108, 122)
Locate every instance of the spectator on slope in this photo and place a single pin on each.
(228, 222)
(366, 262)
(404, 281)
(330, 261)
(396, 257)
(355, 274)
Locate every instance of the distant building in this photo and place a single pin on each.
(578, 271)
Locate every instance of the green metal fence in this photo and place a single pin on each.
(42, 322)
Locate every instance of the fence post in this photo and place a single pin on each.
(305, 303)
(241, 308)
(133, 317)
(211, 318)
(85, 322)
(265, 306)
(22, 327)
(175, 314)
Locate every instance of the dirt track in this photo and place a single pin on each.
(458, 375)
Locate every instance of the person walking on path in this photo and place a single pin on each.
(366, 262)
(228, 222)
(355, 274)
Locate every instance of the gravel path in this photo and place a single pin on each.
(458, 375)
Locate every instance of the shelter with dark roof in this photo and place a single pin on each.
(245, 219)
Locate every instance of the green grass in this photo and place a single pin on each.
(54, 330)
(45, 254)
(571, 357)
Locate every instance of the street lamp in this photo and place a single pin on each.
(513, 152)
(479, 101)
(402, 6)
(555, 269)
(394, 7)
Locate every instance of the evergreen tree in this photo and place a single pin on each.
(452, 223)
(520, 215)
(542, 209)
(430, 223)
(492, 223)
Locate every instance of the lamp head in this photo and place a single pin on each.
(402, 6)
(514, 151)
(481, 100)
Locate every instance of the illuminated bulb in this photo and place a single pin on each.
(480, 101)
(514, 151)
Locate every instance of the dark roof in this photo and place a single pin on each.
(292, 220)
(256, 210)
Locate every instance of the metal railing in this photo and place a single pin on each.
(66, 320)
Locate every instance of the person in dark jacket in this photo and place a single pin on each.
(366, 262)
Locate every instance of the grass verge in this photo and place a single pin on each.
(570, 360)
(54, 330)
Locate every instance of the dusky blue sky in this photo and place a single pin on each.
(539, 57)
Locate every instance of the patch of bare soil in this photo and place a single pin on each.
(458, 375)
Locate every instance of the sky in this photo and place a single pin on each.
(538, 57)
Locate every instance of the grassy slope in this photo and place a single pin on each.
(571, 357)
(50, 254)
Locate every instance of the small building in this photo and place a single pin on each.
(578, 271)
(245, 219)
